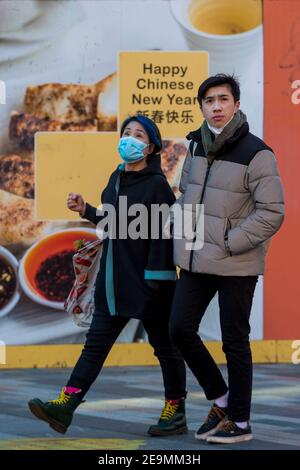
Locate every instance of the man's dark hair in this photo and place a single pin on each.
(217, 80)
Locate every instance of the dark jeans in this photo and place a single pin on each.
(192, 295)
(100, 338)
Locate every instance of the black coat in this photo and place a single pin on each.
(127, 265)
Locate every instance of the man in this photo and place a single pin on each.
(234, 175)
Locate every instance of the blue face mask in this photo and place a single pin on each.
(131, 149)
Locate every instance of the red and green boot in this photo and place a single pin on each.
(57, 413)
(172, 419)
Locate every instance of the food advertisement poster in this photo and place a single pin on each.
(70, 72)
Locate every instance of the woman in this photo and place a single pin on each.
(135, 280)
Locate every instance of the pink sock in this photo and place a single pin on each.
(70, 390)
(174, 401)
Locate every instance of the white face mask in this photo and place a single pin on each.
(217, 130)
(131, 149)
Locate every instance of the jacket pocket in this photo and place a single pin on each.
(226, 241)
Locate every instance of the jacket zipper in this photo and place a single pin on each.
(209, 164)
(114, 245)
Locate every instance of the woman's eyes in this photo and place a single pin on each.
(137, 136)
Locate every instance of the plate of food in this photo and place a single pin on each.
(46, 270)
(66, 106)
(9, 285)
(172, 158)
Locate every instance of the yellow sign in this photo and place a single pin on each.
(79, 162)
(163, 86)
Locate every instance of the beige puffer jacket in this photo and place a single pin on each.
(243, 203)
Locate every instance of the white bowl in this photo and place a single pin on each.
(224, 49)
(40, 251)
(12, 260)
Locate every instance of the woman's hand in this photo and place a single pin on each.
(155, 285)
(75, 202)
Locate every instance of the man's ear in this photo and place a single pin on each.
(237, 105)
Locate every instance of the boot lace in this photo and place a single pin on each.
(215, 411)
(62, 399)
(169, 410)
(229, 426)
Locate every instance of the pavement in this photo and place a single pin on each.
(125, 401)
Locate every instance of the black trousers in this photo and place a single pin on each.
(192, 295)
(100, 338)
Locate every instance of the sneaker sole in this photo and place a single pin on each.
(202, 437)
(229, 440)
(39, 413)
(157, 433)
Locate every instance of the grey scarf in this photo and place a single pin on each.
(212, 147)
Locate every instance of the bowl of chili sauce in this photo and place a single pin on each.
(46, 270)
(9, 285)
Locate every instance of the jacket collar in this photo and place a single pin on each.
(239, 134)
(132, 177)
